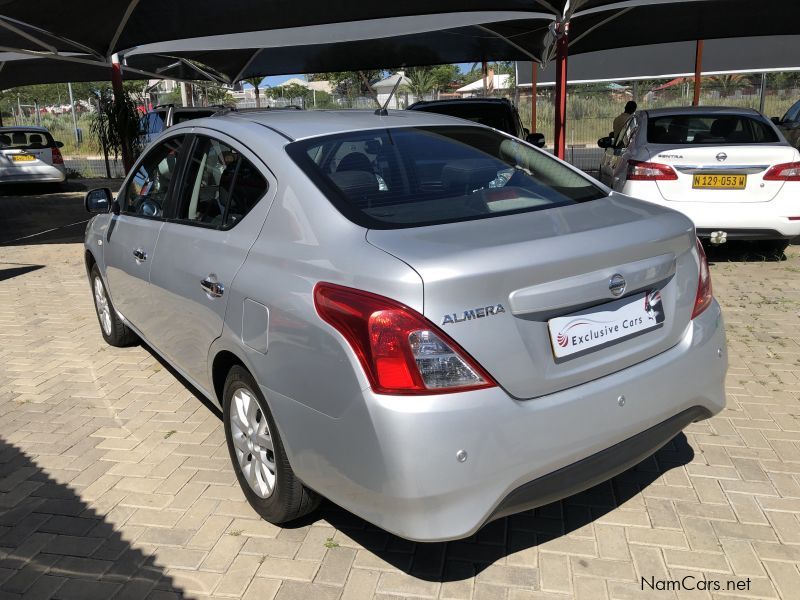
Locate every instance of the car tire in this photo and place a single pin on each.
(775, 248)
(114, 330)
(257, 453)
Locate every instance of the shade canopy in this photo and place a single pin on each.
(676, 59)
(243, 38)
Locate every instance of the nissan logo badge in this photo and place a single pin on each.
(616, 285)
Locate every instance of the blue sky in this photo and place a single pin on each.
(279, 79)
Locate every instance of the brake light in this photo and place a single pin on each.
(784, 172)
(400, 350)
(648, 171)
(57, 158)
(704, 294)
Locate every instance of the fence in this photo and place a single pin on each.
(590, 112)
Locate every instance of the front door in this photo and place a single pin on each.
(220, 209)
(132, 235)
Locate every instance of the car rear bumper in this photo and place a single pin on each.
(740, 220)
(38, 174)
(745, 234)
(394, 460)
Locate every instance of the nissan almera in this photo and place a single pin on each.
(429, 322)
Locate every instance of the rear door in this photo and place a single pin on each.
(220, 209)
(131, 239)
(615, 159)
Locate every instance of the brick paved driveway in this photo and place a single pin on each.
(115, 480)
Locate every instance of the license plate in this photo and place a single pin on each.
(22, 157)
(712, 181)
(591, 329)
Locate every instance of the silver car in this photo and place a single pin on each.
(30, 154)
(429, 322)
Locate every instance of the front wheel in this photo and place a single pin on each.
(257, 453)
(114, 330)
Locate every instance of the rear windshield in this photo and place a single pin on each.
(409, 177)
(489, 114)
(180, 116)
(28, 140)
(709, 129)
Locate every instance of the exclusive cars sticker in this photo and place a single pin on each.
(572, 334)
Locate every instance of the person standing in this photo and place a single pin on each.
(622, 120)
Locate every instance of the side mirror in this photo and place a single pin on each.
(99, 201)
(59, 144)
(606, 142)
(536, 139)
(776, 120)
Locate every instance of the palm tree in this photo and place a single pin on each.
(421, 80)
(729, 82)
(255, 81)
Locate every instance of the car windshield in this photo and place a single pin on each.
(490, 114)
(25, 140)
(709, 129)
(408, 177)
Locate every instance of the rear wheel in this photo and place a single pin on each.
(114, 330)
(774, 248)
(257, 453)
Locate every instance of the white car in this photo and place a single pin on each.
(728, 169)
(29, 154)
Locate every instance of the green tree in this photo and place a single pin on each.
(255, 82)
(422, 81)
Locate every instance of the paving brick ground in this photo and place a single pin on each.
(115, 480)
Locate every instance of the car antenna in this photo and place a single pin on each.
(382, 112)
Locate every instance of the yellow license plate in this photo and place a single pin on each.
(22, 157)
(719, 182)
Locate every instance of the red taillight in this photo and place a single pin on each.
(704, 294)
(785, 172)
(400, 350)
(648, 171)
(57, 158)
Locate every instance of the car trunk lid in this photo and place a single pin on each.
(493, 284)
(704, 162)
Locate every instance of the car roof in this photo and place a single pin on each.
(28, 128)
(701, 110)
(447, 101)
(301, 124)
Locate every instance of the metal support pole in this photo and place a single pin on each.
(38, 120)
(485, 73)
(534, 94)
(74, 118)
(562, 51)
(119, 94)
(763, 94)
(698, 70)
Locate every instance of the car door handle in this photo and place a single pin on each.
(139, 254)
(212, 287)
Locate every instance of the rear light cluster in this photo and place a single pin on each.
(704, 294)
(57, 158)
(400, 350)
(784, 172)
(648, 171)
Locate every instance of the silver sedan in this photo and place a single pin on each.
(429, 322)
(30, 154)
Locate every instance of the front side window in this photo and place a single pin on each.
(220, 186)
(793, 114)
(148, 189)
(409, 177)
(716, 129)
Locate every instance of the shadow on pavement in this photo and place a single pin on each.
(11, 272)
(44, 213)
(463, 559)
(52, 545)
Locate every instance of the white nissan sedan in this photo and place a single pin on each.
(728, 169)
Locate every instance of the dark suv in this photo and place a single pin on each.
(498, 113)
(790, 124)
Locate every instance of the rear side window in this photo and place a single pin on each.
(220, 186)
(411, 177)
(26, 140)
(709, 129)
(492, 115)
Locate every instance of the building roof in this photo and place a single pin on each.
(390, 82)
(500, 81)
